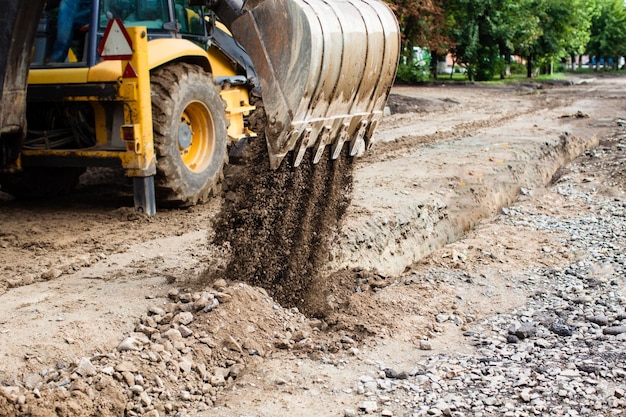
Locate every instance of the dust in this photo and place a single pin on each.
(279, 223)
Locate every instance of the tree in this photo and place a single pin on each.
(564, 29)
(608, 31)
(422, 24)
(487, 32)
(517, 28)
(466, 21)
(484, 34)
(580, 31)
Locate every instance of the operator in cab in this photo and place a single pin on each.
(72, 15)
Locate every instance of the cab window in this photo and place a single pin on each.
(149, 13)
(189, 18)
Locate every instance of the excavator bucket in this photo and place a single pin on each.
(325, 69)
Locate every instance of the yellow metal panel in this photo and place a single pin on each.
(160, 52)
(221, 66)
(237, 106)
(128, 91)
(105, 71)
(223, 28)
(102, 134)
(58, 76)
(164, 50)
(138, 108)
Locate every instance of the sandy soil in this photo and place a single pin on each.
(82, 273)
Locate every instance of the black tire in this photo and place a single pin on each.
(189, 120)
(40, 182)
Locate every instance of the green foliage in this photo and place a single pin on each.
(517, 68)
(486, 31)
(413, 69)
(608, 30)
(565, 28)
(480, 34)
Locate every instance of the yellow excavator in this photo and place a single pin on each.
(161, 88)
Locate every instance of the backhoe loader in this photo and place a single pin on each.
(161, 88)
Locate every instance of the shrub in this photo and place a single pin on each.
(413, 70)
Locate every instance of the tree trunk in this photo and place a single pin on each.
(506, 71)
(434, 60)
(529, 66)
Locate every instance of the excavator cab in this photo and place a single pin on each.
(64, 31)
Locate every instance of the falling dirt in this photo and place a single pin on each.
(279, 223)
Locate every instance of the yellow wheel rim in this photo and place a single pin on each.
(196, 136)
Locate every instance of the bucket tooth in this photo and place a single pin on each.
(357, 144)
(322, 140)
(341, 139)
(369, 134)
(301, 147)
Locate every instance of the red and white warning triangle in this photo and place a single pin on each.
(116, 42)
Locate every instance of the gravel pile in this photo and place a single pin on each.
(563, 353)
(175, 362)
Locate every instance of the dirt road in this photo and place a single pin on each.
(105, 312)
